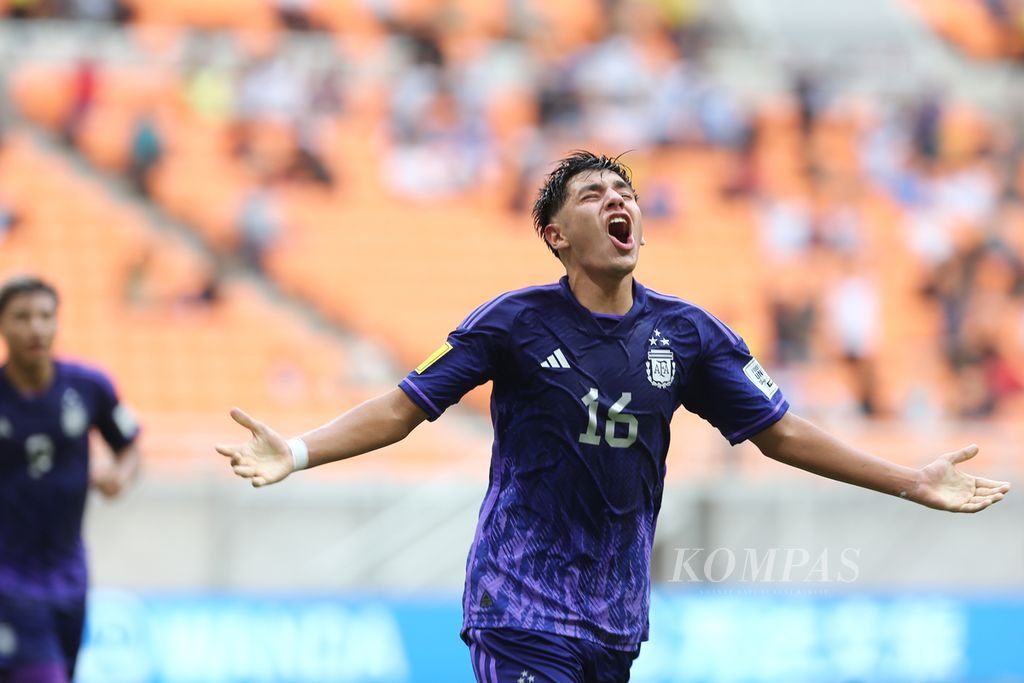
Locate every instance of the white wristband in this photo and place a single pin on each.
(300, 454)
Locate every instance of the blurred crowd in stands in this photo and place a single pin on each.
(985, 29)
(458, 112)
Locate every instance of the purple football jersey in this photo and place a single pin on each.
(44, 478)
(581, 407)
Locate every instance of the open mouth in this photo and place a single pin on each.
(621, 232)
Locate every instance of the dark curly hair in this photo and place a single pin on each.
(551, 197)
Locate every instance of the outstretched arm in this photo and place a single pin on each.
(267, 458)
(940, 485)
(112, 477)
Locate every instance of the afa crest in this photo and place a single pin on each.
(74, 419)
(661, 362)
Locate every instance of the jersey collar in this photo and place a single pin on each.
(591, 323)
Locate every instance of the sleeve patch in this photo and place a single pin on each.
(433, 358)
(125, 422)
(756, 374)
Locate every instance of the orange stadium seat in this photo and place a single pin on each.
(239, 14)
(965, 23)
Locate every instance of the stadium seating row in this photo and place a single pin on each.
(179, 361)
(355, 251)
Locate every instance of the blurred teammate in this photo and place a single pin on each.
(47, 408)
(587, 374)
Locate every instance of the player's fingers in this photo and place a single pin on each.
(258, 481)
(981, 502)
(975, 506)
(247, 471)
(989, 490)
(227, 450)
(248, 421)
(981, 483)
(964, 454)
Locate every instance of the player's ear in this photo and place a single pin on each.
(554, 236)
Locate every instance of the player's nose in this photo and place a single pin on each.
(613, 199)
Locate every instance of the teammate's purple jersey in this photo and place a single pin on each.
(44, 478)
(581, 409)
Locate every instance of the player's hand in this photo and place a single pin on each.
(108, 478)
(264, 459)
(944, 487)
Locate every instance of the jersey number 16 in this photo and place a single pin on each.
(615, 418)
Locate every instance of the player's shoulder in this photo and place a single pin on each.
(507, 306)
(76, 372)
(676, 307)
(688, 314)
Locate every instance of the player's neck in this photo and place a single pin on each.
(611, 296)
(30, 378)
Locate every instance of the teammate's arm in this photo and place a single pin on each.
(940, 485)
(267, 458)
(111, 478)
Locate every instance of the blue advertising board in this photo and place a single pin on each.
(696, 637)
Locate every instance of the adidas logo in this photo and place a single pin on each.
(555, 360)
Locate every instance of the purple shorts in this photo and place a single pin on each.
(39, 640)
(502, 655)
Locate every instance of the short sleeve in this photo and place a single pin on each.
(467, 359)
(115, 422)
(728, 387)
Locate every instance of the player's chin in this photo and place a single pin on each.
(624, 261)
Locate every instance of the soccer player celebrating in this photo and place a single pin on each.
(47, 408)
(587, 374)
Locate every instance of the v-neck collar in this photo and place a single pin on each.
(587, 318)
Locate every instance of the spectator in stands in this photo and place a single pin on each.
(794, 316)
(786, 226)
(440, 152)
(616, 88)
(926, 130)
(687, 23)
(743, 179)
(838, 226)
(84, 85)
(324, 101)
(28, 9)
(982, 274)
(985, 378)
(210, 89)
(209, 288)
(308, 163)
(8, 220)
(102, 10)
(853, 314)
(325, 94)
(809, 94)
(136, 285)
(294, 14)
(269, 89)
(146, 151)
(260, 223)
